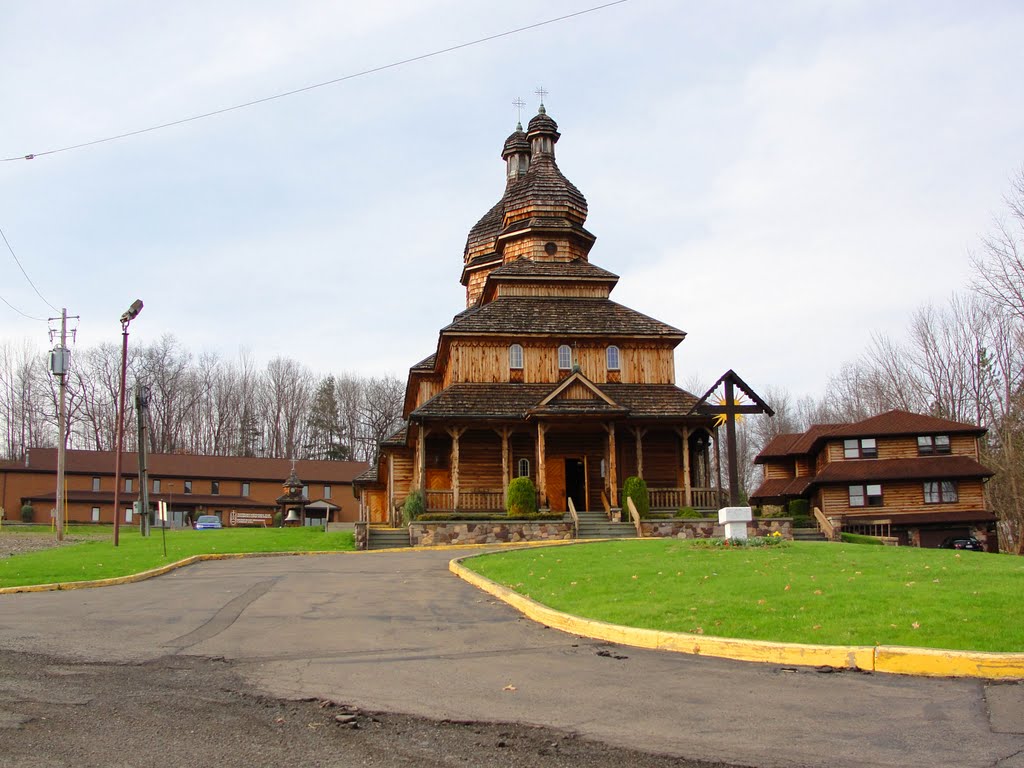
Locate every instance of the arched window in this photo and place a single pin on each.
(564, 358)
(524, 468)
(613, 358)
(515, 356)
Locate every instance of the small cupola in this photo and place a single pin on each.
(516, 154)
(542, 133)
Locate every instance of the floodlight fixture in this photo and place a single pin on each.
(132, 312)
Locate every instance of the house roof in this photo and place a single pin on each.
(518, 315)
(426, 364)
(190, 466)
(519, 401)
(897, 422)
(893, 423)
(918, 468)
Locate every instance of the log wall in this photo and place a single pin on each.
(900, 497)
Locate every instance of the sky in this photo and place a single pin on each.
(780, 180)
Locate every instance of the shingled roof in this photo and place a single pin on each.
(517, 315)
(576, 269)
(519, 401)
(918, 468)
(897, 422)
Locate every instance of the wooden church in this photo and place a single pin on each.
(542, 374)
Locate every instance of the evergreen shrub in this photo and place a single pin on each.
(414, 506)
(636, 489)
(798, 508)
(28, 514)
(522, 498)
(689, 512)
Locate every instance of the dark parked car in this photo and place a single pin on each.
(963, 542)
(205, 522)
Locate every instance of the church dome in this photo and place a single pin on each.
(516, 142)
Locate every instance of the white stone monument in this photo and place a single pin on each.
(735, 520)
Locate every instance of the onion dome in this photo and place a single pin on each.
(542, 123)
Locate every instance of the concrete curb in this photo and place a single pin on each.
(889, 659)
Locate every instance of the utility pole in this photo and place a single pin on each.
(60, 362)
(142, 406)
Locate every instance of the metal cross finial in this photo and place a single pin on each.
(518, 103)
(293, 466)
(542, 93)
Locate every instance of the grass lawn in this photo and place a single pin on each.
(834, 594)
(98, 558)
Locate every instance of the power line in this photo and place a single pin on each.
(5, 301)
(16, 261)
(373, 70)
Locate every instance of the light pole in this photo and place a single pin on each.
(130, 314)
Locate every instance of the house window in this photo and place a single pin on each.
(515, 357)
(524, 468)
(613, 358)
(215, 487)
(941, 492)
(564, 358)
(305, 491)
(128, 484)
(929, 445)
(188, 486)
(865, 448)
(156, 486)
(327, 491)
(95, 514)
(95, 483)
(245, 489)
(866, 495)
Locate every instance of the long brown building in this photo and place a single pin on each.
(542, 375)
(241, 491)
(903, 475)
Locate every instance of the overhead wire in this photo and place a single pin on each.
(363, 73)
(18, 262)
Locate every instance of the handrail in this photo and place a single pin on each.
(825, 524)
(575, 519)
(635, 516)
(606, 505)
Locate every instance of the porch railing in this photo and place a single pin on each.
(825, 525)
(575, 519)
(674, 498)
(635, 517)
(489, 500)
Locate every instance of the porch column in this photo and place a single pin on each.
(391, 490)
(542, 474)
(718, 467)
(504, 432)
(455, 432)
(613, 470)
(420, 480)
(639, 451)
(687, 485)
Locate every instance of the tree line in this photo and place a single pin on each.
(199, 404)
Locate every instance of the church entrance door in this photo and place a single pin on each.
(576, 483)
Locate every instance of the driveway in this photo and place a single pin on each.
(397, 632)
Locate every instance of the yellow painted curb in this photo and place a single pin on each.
(889, 659)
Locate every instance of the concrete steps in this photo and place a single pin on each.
(808, 534)
(387, 538)
(595, 525)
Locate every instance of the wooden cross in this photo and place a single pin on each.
(542, 93)
(518, 103)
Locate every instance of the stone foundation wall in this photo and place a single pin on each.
(362, 532)
(430, 534)
(709, 528)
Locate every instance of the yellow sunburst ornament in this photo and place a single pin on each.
(721, 418)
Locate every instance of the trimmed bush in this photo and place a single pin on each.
(522, 498)
(28, 514)
(636, 489)
(858, 538)
(798, 508)
(278, 519)
(414, 506)
(689, 512)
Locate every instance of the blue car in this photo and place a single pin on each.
(207, 522)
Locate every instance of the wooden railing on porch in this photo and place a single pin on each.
(575, 519)
(606, 505)
(825, 525)
(443, 500)
(675, 498)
